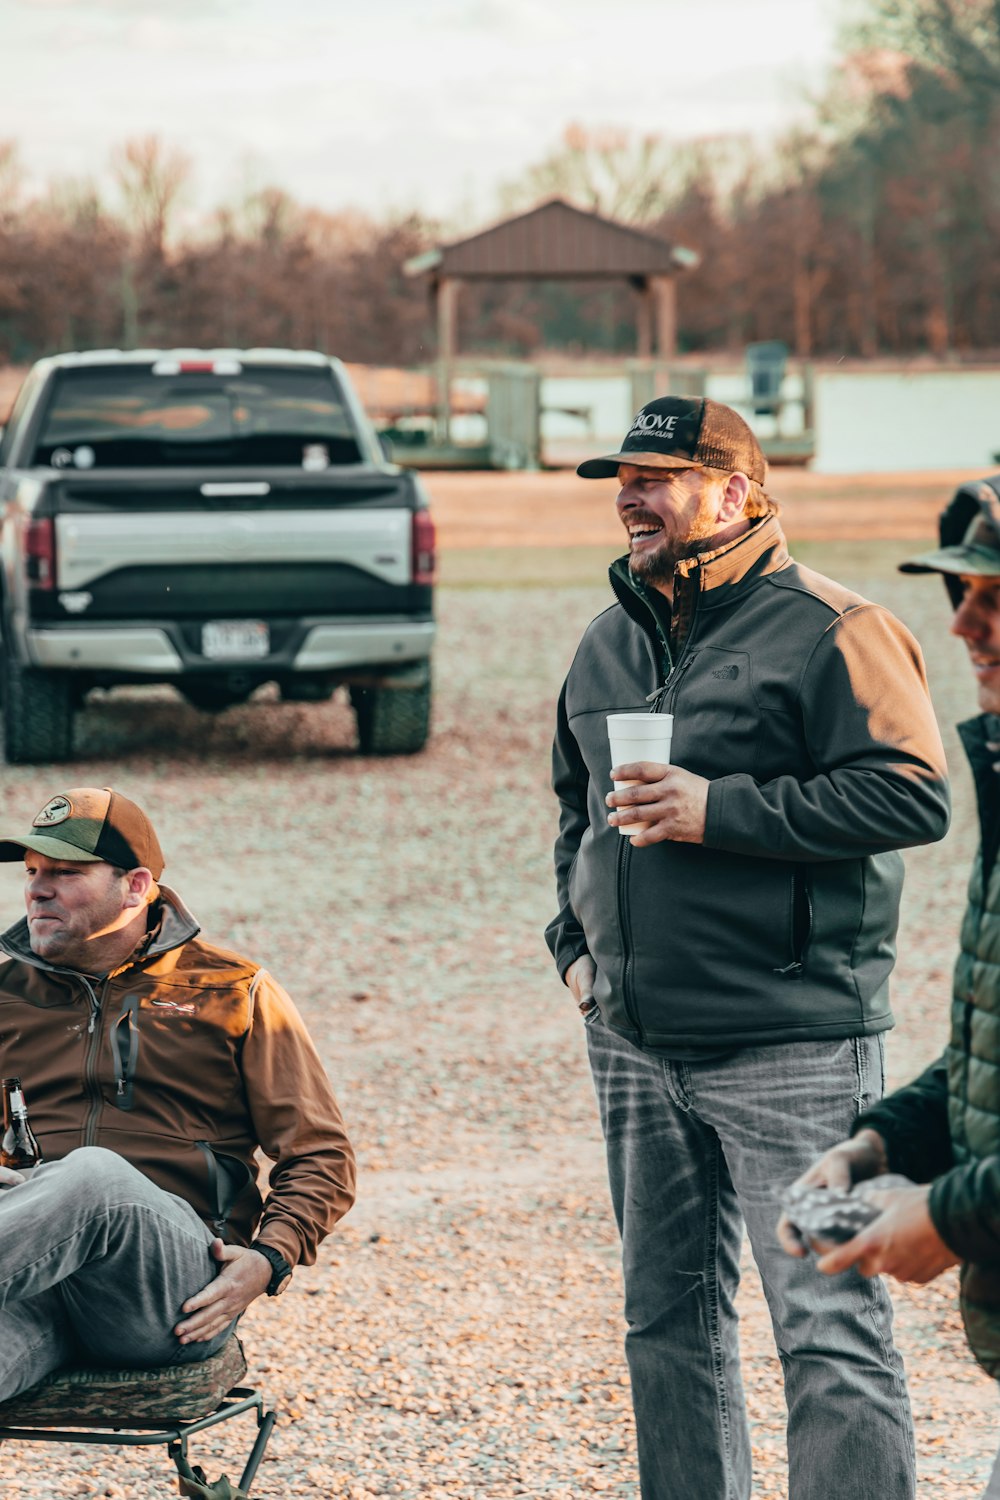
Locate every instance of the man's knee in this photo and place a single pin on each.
(103, 1172)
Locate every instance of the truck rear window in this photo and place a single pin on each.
(133, 418)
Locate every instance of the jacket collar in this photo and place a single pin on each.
(716, 577)
(176, 927)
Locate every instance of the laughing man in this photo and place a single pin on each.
(731, 962)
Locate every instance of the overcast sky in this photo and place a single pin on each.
(392, 104)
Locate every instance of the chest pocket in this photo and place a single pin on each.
(124, 1036)
(716, 717)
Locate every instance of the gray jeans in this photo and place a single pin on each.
(992, 1490)
(95, 1264)
(695, 1149)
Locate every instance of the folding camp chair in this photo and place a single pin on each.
(137, 1408)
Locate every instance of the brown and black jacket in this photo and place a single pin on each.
(807, 709)
(185, 1061)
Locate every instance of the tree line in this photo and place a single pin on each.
(870, 231)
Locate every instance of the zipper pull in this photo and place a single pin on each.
(122, 1085)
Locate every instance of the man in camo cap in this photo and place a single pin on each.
(943, 1130)
(154, 1065)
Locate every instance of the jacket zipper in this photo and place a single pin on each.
(657, 700)
(126, 1047)
(91, 1085)
(624, 927)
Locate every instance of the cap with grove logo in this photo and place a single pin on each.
(89, 824)
(684, 432)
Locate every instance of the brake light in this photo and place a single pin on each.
(40, 553)
(424, 556)
(197, 367)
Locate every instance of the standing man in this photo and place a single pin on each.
(732, 961)
(154, 1065)
(943, 1129)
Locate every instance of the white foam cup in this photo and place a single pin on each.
(638, 736)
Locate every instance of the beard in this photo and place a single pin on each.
(653, 565)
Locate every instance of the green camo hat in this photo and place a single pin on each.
(970, 539)
(90, 824)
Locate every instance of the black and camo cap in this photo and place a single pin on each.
(969, 532)
(90, 824)
(684, 432)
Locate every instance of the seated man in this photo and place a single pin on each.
(154, 1065)
(943, 1129)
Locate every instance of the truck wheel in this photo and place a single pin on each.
(37, 715)
(392, 721)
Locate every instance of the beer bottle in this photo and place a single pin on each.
(18, 1148)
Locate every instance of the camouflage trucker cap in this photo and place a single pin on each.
(969, 533)
(90, 824)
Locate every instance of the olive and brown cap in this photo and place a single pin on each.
(684, 432)
(90, 824)
(969, 533)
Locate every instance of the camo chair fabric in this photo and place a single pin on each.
(128, 1398)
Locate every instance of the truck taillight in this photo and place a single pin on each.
(424, 556)
(40, 553)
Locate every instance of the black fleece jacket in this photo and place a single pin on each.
(807, 709)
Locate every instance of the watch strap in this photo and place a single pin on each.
(280, 1269)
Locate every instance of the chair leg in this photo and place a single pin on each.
(257, 1451)
(193, 1480)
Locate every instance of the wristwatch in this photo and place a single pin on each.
(281, 1271)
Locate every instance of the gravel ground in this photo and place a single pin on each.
(461, 1333)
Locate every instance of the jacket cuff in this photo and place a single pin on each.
(567, 957)
(713, 814)
(281, 1237)
(963, 1206)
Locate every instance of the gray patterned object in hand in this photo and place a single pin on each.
(823, 1217)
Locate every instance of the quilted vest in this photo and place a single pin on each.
(974, 1046)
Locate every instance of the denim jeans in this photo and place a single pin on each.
(992, 1490)
(95, 1264)
(695, 1150)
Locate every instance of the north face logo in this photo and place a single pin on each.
(726, 673)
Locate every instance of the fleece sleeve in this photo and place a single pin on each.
(298, 1125)
(913, 1123)
(570, 780)
(879, 778)
(964, 1206)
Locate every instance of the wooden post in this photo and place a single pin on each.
(447, 299)
(665, 303)
(644, 321)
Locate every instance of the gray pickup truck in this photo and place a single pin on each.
(213, 519)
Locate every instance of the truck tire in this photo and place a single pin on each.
(37, 715)
(392, 721)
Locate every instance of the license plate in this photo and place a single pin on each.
(230, 640)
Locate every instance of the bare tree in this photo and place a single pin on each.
(603, 170)
(150, 178)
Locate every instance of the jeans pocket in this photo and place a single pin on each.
(869, 1054)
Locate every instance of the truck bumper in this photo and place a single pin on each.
(322, 646)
